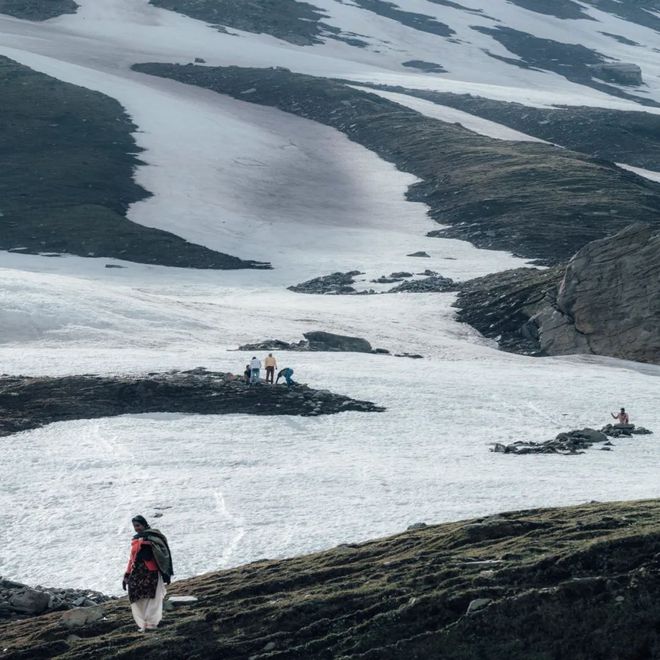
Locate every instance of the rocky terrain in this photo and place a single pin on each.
(317, 341)
(580, 583)
(81, 208)
(18, 600)
(32, 402)
(37, 10)
(532, 199)
(621, 137)
(605, 302)
(502, 305)
(572, 442)
(608, 302)
(299, 23)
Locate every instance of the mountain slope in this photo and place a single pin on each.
(579, 582)
(535, 200)
(68, 158)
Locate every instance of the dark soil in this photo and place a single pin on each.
(37, 10)
(29, 403)
(535, 200)
(67, 158)
(580, 583)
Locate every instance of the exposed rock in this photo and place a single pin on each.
(403, 274)
(618, 72)
(502, 305)
(415, 526)
(498, 194)
(28, 403)
(590, 572)
(428, 67)
(608, 302)
(80, 208)
(37, 10)
(413, 356)
(19, 600)
(275, 345)
(419, 254)
(436, 283)
(478, 604)
(387, 280)
(317, 341)
(328, 341)
(81, 616)
(29, 601)
(624, 430)
(334, 284)
(571, 442)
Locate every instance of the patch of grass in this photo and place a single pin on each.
(578, 582)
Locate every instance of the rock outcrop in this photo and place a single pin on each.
(333, 284)
(621, 73)
(608, 302)
(431, 284)
(316, 341)
(500, 306)
(19, 600)
(29, 403)
(579, 583)
(572, 442)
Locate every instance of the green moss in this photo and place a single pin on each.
(578, 582)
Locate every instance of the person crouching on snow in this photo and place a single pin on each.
(149, 570)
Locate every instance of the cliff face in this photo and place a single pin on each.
(580, 583)
(608, 302)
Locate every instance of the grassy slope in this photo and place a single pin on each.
(579, 583)
(615, 135)
(536, 200)
(67, 158)
(37, 10)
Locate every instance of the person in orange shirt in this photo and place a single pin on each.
(271, 365)
(149, 569)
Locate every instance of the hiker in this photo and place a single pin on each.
(247, 374)
(285, 373)
(271, 365)
(149, 570)
(255, 368)
(622, 417)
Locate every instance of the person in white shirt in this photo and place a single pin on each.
(255, 368)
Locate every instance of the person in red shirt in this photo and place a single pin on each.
(622, 417)
(149, 569)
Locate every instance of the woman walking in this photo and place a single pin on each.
(149, 570)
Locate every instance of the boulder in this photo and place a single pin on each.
(81, 616)
(333, 284)
(327, 341)
(622, 73)
(29, 601)
(434, 283)
(608, 302)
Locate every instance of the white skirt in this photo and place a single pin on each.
(148, 612)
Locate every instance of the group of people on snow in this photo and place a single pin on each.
(252, 372)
